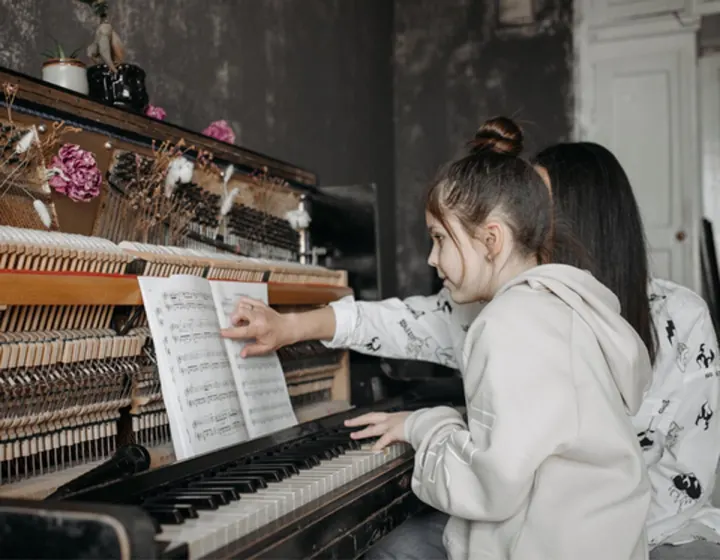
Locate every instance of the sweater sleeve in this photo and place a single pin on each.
(416, 328)
(683, 475)
(521, 409)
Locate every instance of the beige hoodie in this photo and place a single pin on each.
(548, 466)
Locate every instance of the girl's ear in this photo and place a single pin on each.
(492, 238)
(544, 175)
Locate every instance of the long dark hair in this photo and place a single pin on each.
(593, 198)
(493, 176)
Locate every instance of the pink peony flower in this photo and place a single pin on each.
(220, 130)
(157, 113)
(75, 173)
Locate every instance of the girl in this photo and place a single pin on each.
(548, 465)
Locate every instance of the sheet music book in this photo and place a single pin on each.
(213, 396)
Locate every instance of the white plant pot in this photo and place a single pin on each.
(70, 74)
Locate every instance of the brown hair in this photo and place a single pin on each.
(492, 177)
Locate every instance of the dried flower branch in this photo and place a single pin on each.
(155, 188)
(23, 156)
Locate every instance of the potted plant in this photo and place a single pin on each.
(65, 70)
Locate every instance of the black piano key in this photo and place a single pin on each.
(269, 475)
(288, 469)
(198, 502)
(187, 511)
(279, 469)
(166, 515)
(228, 491)
(219, 498)
(300, 461)
(327, 452)
(253, 483)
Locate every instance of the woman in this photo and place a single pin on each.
(680, 438)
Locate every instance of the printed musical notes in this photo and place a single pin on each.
(260, 380)
(197, 381)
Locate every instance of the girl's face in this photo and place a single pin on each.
(463, 262)
(474, 267)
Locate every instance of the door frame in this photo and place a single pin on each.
(709, 122)
(586, 32)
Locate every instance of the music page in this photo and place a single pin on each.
(196, 379)
(260, 380)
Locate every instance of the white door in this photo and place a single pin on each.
(638, 98)
(710, 139)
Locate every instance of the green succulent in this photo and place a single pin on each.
(60, 53)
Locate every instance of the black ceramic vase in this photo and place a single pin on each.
(124, 88)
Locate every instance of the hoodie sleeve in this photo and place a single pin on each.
(688, 429)
(521, 409)
(416, 328)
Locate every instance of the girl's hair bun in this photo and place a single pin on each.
(500, 135)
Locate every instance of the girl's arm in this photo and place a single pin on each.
(518, 415)
(418, 328)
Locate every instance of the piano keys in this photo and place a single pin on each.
(306, 492)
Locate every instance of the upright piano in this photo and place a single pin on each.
(78, 379)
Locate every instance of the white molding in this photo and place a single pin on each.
(582, 72)
(709, 90)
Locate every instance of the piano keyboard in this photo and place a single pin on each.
(216, 511)
(295, 494)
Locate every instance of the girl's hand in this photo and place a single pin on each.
(257, 322)
(389, 426)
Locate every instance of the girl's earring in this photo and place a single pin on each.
(488, 258)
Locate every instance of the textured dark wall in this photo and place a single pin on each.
(307, 81)
(454, 68)
(318, 82)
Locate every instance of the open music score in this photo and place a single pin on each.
(213, 396)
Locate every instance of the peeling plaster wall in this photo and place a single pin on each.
(454, 68)
(308, 81)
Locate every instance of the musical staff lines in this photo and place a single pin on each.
(260, 381)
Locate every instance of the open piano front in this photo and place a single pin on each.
(77, 370)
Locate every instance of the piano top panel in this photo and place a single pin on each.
(57, 104)
(53, 288)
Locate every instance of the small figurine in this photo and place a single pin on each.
(111, 79)
(107, 47)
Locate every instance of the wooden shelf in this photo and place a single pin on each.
(78, 110)
(57, 288)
